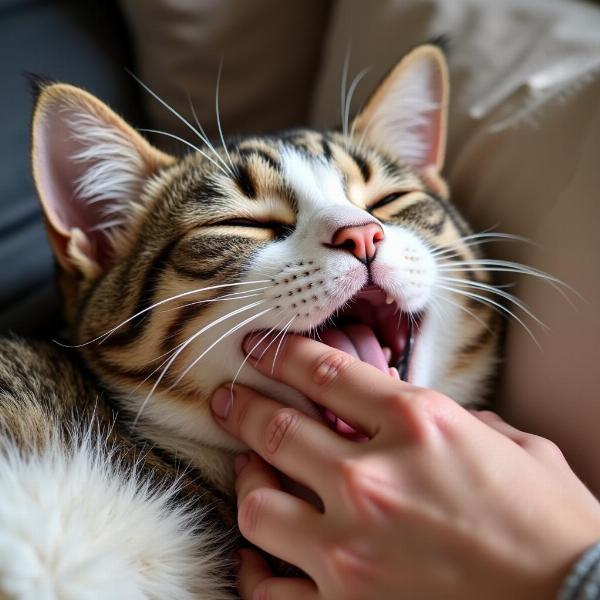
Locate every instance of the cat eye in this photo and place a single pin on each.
(243, 223)
(281, 230)
(387, 200)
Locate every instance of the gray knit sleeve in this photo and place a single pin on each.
(583, 582)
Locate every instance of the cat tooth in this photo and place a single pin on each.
(388, 299)
(387, 353)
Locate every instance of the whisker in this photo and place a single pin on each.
(173, 111)
(187, 304)
(494, 265)
(226, 334)
(490, 288)
(357, 79)
(237, 373)
(493, 303)
(343, 89)
(185, 344)
(283, 334)
(204, 136)
(480, 238)
(224, 297)
(464, 308)
(161, 302)
(183, 141)
(217, 113)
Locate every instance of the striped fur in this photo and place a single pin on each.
(166, 265)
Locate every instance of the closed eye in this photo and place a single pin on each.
(282, 230)
(387, 200)
(244, 223)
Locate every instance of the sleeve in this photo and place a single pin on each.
(583, 581)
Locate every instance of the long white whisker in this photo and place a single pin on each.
(226, 334)
(490, 288)
(495, 304)
(283, 333)
(343, 90)
(204, 136)
(164, 301)
(232, 296)
(213, 300)
(218, 115)
(464, 308)
(184, 345)
(174, 112)
(493, 265)
(480, 238)
(237, 373)
(183, 141)
(357, 79)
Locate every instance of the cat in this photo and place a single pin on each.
(114, 480)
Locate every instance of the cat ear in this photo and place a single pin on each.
(90, 169)
(407, 113)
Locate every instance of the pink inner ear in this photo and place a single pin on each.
(58, 175)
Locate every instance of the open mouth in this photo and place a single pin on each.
(374, 329)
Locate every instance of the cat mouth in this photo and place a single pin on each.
(373, 328)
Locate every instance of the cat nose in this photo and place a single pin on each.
(359, 240)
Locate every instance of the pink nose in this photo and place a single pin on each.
(360, 240)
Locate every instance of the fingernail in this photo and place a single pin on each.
(221, 402)
(240, 461)
(255, 348)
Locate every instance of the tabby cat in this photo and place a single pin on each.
(114, 480)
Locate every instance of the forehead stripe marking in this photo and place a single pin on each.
(249, 152)
(244, 181)
(363, 166)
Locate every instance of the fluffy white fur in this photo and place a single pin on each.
(74, 527)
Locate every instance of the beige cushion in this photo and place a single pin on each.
(524, 157)
(270, 51)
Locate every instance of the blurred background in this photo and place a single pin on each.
(523, 149)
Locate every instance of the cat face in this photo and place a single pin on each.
(167, 265)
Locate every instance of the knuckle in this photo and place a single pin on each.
(281, 428)
(425, 414)
(350, 571)
(249, 511)
(488, 415)
(357, 485)
(536, 443)
(330, 366)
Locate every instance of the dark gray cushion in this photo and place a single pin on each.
(81, 42)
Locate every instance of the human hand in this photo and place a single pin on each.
(439, 502)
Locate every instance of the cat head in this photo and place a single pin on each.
(167, 264)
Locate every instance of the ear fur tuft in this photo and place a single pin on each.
(90, 170)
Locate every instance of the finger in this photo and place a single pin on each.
(253, 475)
(264, 514)
(255, 580)
(330, 377)
(291, 441)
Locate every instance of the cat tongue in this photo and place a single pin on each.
(358, 340)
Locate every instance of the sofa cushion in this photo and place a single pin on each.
(63, 41)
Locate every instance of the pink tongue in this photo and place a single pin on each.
(360, 341)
